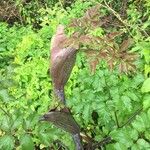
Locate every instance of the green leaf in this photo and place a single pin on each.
(26, 142)
(114, 91)
(6, 142)
(141, 123)
(147, 135)
(148, 113)
(132, 95)
(146, 101)
(147, 69)
(46, 133)
(122, 136)
(44, 138)
(146, 53)
(120, 146)
(143, 144)
(146, 86)
(135, 147)
(109, 147)
(137, 80)
(4, 95)
(31, 120)
(127, 102)
(97, 32)
(134, 134)
(17, 122)
(86, 113)
(145, 47)
(5, 123)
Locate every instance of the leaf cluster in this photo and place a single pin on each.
(100, 46)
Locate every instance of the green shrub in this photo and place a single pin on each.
(107, 103)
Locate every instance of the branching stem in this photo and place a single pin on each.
(116, 118)
(102, 142)
(132, 117)
(5, 112)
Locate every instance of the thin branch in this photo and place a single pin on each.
(102, 142)
(61, 3)
(132, 117)
(116, 118)
(121, 20)
(5, 112)
(115, 14)
(60, 144)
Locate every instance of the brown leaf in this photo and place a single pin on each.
(132, 67)
(98, 40)
(91, 53)
(124, 67)
(95, 23)
(92, 12)
(130, 57)
(121, 67)
(74, 23)
(105, 20)
(111, 64)
(75, 35)
(66, 43)
(93, 65)
(102, 54)
(75, 44)
(114, 34)
(126, 44)
(85, 39)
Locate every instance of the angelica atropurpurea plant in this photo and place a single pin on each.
(105, 104)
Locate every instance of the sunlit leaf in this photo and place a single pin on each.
(26, 142)
(7, 142)
(146, 86)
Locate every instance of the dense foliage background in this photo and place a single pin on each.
(105, 104)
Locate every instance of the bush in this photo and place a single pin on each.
(105, 104)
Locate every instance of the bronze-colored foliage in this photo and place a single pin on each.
(104, 47)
